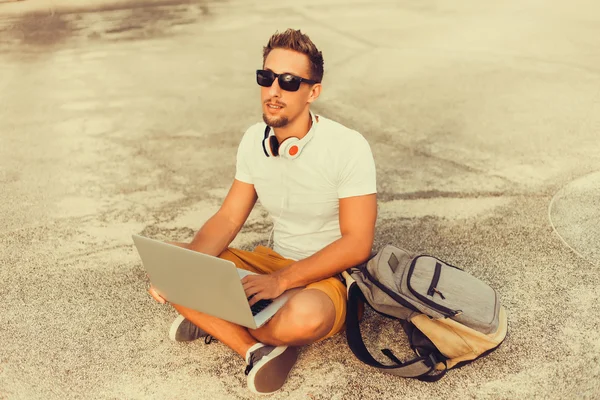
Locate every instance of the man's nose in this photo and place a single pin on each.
(275, 90)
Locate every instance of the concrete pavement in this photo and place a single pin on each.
(115, 119)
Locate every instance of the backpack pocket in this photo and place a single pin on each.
(449, 291)
(459, 343)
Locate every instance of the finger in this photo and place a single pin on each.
(156, 296)
(251, 292)
(247, 284)
(250, 278)
(255, 299)
(251, 282)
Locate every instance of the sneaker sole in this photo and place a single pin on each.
(271, 372)
(174, 327)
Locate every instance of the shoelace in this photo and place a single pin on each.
(250, 365)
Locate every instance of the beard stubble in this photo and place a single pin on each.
(276, 122)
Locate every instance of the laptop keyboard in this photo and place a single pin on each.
(259, 306)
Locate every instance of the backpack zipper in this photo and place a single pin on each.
(436, 278)
(440, 308)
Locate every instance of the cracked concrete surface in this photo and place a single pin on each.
(123, 117)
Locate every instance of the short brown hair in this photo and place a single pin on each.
(295, 40)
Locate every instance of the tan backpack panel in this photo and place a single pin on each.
(457, 341)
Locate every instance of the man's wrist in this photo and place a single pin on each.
(284, 280)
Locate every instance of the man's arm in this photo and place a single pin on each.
(219, 231)
(358, 216)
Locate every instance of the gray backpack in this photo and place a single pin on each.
(450, 317)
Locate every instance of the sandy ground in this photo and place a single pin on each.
(118, 118)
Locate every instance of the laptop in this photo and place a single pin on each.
(204, 283)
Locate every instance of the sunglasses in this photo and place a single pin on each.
(287, 82)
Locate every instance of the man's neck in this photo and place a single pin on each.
(298, 128)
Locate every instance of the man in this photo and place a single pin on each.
(316, 178)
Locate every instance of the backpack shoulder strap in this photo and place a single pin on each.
(420, 367)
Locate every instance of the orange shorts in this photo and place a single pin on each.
(264, 261)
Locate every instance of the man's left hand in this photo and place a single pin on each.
(262, 287)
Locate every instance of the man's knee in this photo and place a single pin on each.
(311, 311)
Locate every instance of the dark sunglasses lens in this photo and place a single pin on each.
(264, 78)
(289, 82)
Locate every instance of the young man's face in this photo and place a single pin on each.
(281, 107)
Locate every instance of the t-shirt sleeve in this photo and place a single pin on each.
(357, 175)
(242, 167)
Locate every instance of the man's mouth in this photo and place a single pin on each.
(274, 106)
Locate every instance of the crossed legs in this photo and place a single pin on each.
(307, 317)
(311, 314)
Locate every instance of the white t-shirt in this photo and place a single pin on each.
(302, 195)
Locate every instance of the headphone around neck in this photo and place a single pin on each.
(291, 147)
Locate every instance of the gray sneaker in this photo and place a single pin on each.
(182, 330)
(269, 368)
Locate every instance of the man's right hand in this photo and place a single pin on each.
(156, 296)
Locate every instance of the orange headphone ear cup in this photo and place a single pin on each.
(290, 148)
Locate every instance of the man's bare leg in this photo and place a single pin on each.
(305, 318)
(234, 336)
(267, 366)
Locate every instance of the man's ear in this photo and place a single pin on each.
(315, 92)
